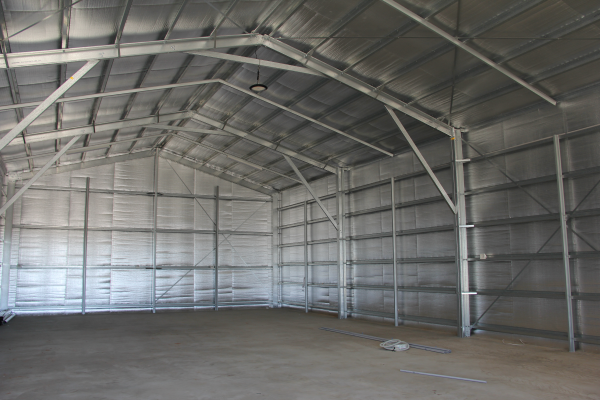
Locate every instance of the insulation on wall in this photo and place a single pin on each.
(514, 248)
(47, 249)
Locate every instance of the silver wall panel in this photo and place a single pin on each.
(129, 287)
(174, 286)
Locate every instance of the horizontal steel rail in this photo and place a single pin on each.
(144, 267)
(150, 194)
(105, 52)
(141, 306)
(538, 294)
(141, 230)
(537, 332)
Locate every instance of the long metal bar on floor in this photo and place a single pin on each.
(216, 277)
(310, 190)
(38, 175)
(417, 18)
(394, 251)
(565, 242)
(379, 339)
(25, 122)
(6, 248)
(443, 376)
(306, 281)
(86, 214)
(421, 158)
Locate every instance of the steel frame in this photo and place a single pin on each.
(6, 249)
(25, 122)
(490, 258)
(468, 49)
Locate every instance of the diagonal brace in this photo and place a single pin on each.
(310, 189)
(422, 159)
(38, 175)
(21, 126)
(468, 49)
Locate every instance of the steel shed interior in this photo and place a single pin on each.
(416, 162)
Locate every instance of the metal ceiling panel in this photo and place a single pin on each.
(94, 23)
(19, 15)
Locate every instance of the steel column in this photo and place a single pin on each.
(85, 242)
(21, 126)
(565, 242)
(154, 229)
(305, 256)
(279, 255)
(462, 264)
(216, 283)
(6, 251)
(341, 245)
(394, 251)
(275, 251)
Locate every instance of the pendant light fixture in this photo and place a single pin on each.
(258, 87)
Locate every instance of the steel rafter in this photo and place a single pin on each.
(354, 83)
(21, 126)
(62, 76)
(318, 85)
(107, 69)
(565, 29)
(149, 66)
(108, 126)
(443, 48)
(12, 78)
(468, 49)
(107, 52)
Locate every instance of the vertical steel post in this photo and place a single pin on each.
(565, 242)
(216, 284)
(280, 287)
(462, 263)
(154, 225)
(6, 251)
(394, 251)
(341, 244)
(85, 243)
(306, 256)
(274, 251)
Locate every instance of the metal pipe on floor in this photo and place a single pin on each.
(565, 241)
(6, 252)
(85, 245)
(443, 376)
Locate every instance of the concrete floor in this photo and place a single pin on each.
(270, 354)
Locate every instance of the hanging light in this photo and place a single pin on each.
(258, 87)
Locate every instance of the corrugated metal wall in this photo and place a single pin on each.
(512, 200)
(47, 247)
